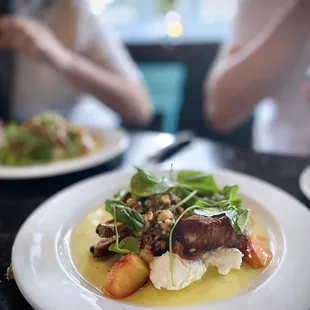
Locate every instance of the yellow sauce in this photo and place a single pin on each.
(212, 287)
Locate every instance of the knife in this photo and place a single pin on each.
(183, 139)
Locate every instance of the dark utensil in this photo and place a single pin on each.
(183, 139)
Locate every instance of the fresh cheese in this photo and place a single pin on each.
(224, 259)
(185, 272)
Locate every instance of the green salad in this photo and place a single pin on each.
(45, 138)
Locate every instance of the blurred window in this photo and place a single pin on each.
(144, 20)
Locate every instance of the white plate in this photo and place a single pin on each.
(114, 142)
(304, 182)
(46, 276)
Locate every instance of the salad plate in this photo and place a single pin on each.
(112, 143)
(50, 275)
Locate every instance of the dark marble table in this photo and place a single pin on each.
(18, 199)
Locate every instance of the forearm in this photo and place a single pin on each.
(243, 78)
(127, 98)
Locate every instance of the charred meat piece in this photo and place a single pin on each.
(101, 249)
(207, 233)
(107, 229)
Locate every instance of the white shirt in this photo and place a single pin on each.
(38, 87)
(282, 122)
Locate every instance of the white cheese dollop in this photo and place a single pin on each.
(224, 259)
(185, 272)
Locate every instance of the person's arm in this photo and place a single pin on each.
(117, 89)
(246, 73)
(105, 69)
(127, 97)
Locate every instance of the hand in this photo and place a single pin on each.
(33, 39)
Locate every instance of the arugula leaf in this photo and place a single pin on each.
(230, 192)
(242, 220)
(127, 245)
(121, 213)
(210, 212)
(237, 216)
(184, 201)
(145, 184)
(121, 194)
(199, 181)
(183, 193)
(230, 206)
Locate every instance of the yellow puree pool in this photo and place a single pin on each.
(212, 287)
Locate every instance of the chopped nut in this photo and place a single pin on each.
(161, 244)
(150, 216)
(145, 219)
(146, 255)
(148, 247)
(164, 215)
(131, 202)
(167, 221)
(138, 207)
(148, 203)
(175, 199)
(179, 210)
(148, 240)
(192, 250)
(165, 226)
(165, 200)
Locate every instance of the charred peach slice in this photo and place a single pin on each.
(126, 277)
(257, 253)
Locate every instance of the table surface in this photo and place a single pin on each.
(17, 203)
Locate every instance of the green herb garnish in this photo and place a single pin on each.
(122, 214)
(144, 184)
(122, 194)
(184, 201)
(127, 245)
(195, 180)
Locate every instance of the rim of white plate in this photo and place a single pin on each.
(46, 277)
(115, 142)
(304, 182)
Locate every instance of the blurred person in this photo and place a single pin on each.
(54, 51)
(266, 57)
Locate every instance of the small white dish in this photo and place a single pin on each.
(46, 276)
(114, 142)
(304, 182)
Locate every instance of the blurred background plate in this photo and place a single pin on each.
(114, 143)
